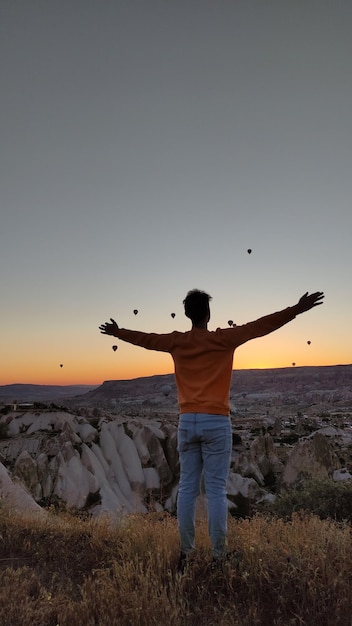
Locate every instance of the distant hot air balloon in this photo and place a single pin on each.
(114, 348)
(293, 364)
(135, 311)
(166, 390)
(230, 322)
(61, 365)
(173, 315)
(249, 251)
(309, 342)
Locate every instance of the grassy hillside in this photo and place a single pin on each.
(65, 571)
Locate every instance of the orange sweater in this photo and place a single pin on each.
(203, 359)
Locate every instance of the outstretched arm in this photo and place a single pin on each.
(150, 341)
(269, 323)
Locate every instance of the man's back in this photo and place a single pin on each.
(203, 367)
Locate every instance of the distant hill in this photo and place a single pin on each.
(279, 380)
(39, 393)
(275, 380)
(287, 379)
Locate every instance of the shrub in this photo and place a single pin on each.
(325, 498)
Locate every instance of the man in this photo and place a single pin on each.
(203, 363)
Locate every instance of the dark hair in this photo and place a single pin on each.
(196, 305)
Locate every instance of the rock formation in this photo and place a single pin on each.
(312, 457)
(123, 458)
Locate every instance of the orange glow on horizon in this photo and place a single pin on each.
(89, 376)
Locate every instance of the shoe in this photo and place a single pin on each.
(232, 558)
(183, 561)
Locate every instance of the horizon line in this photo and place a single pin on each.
(246, 369)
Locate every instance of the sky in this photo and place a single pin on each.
(145, 147)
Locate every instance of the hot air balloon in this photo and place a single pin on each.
(135, 311)
(309, 342)
(114, 348)
(166, 390)
(61, 365)
(173, 315)
(230, 322)
(293, 364)
(249, 251)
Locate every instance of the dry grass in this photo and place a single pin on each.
(64, 571)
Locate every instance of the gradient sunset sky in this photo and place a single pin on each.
(145, 146)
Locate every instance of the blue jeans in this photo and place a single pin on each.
(204, 447)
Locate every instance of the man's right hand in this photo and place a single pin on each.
(109, 328)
